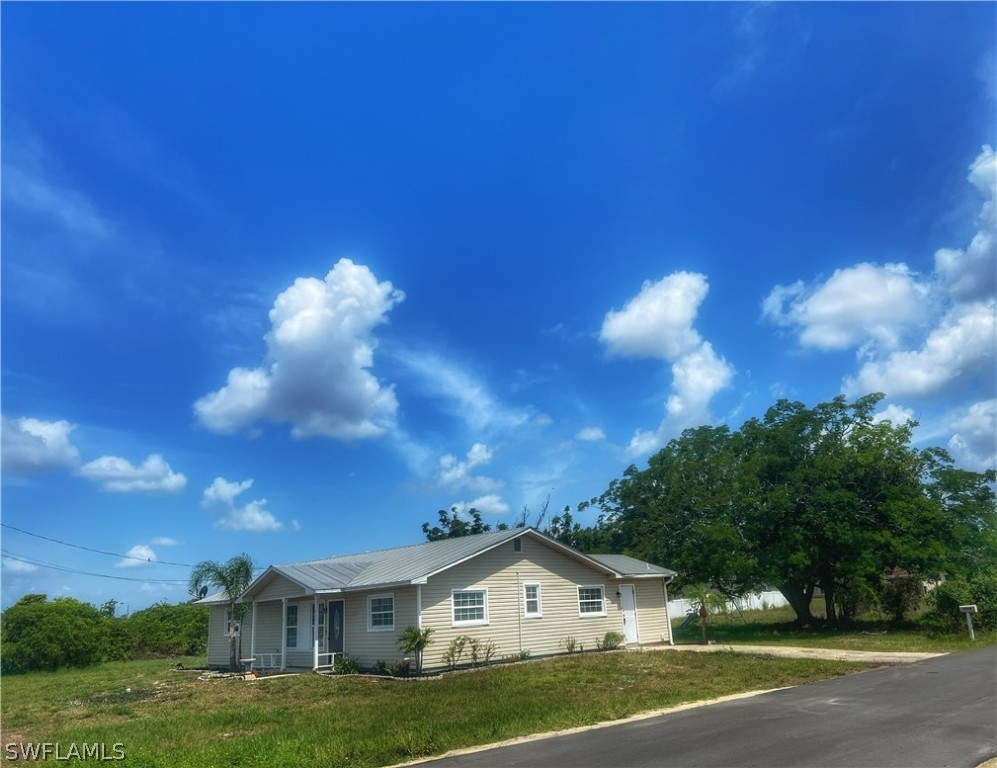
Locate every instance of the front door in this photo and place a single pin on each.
(337, 626)
(628, 606)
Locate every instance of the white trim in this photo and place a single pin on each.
(283, 633)
(252, 634)
(418, 605)
(300, 643)
(588, 614)
(539, 601)
(380, 628)
(470, 622)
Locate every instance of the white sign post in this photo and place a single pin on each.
(969, 610)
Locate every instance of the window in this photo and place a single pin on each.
(237, 629)
(531, 600)
(591, 601)
(322, 634)
(470, 606)
(292, 626)
(517, 544)
(380, 612)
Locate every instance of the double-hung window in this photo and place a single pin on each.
(292, 626)
(380, 613)
(470, 606)
(591, 601)
(532, 608)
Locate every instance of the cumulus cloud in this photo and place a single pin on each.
(17, 566)
(164, 541)
(963, 344)
(866, 303)
(138, 556)
(895, 414)
(221, 496)
(316, 376)
(117, 475)
(590, 434)
(970, 274)
(658, 323)
(490, 504)
(456, 473)
(33, 445)
(974, 436)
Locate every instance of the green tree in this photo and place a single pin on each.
(414, 640)
(41, 634)
(231, 578)
(166, 629)
(452, 526)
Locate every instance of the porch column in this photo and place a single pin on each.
(315, 634)
(418, 603)
(283, 634)
(252, 635)
(668, 619)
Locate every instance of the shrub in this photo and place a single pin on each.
(947, 598)
(900, 595)
(414, 641)
(401, 668)
(569, 643)
(380, 668)
(168, 630)
(609, 641)
(455, 651)
(346, 665)
(36, 633)
(481, 651)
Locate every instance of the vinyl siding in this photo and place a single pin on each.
(503, 571)
(277, 587)
(652, 618)
(218, 646)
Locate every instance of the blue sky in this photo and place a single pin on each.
(288, 278)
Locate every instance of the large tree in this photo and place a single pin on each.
(803, 498)
(231, 578)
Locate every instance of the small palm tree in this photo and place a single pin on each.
(232, 578)
(415, 640)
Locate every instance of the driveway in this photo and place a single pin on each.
(933, 713)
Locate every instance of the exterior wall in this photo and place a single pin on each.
(279, 587)
(218, 644)
(503, 572)
(652, 617)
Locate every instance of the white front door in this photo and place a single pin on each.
(628, 607)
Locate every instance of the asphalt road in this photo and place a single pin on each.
(938, 713)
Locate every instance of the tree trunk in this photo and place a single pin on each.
(827, 586)
(799, 597)
(233, 657)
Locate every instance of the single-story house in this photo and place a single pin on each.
(518, 588)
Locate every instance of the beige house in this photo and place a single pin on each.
(519, 589)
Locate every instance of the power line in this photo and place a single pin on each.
(91, 549)
(29, 561)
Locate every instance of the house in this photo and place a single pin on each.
(519, 589)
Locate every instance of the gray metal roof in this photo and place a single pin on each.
(631, 566)
(415, 563)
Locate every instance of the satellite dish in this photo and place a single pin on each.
(203, 593)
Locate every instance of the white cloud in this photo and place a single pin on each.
(455, 473)
(490, 504)
(253, 516)
(117, 475)
(963, 344)
(856, 305)
(470, 397)
(657, 323)
(137, 557)
(974, 439)
(320, 349)
(164, 541)
(590, 434)
(971, 273)
(895, 414)
(17, 566)
(32, 445)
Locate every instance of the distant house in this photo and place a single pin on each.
(518, 588)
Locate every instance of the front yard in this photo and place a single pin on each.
(167, 718)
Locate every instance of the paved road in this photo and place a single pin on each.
(938, 713)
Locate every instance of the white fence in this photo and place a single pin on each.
(751, 602)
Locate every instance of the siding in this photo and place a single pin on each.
(652, 618)
(503, 571)
(218, 646)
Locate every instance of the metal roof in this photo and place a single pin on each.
(631, 566)
(415, 563)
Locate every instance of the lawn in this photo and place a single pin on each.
(774, 626)
(167, 718)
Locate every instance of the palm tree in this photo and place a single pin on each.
(232, 578)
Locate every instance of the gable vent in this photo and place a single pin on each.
(517, 544)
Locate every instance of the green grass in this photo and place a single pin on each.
(774, 626)
(172, 719)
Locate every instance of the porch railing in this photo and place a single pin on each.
(322, 661)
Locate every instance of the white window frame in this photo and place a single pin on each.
(296, 626)
(468, 622)
(228, 627)
(371, 627)
(539, 612)
(602, 591)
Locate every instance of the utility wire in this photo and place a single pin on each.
(91, 549)
(29, 561)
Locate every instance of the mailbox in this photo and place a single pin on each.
(968, 609)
